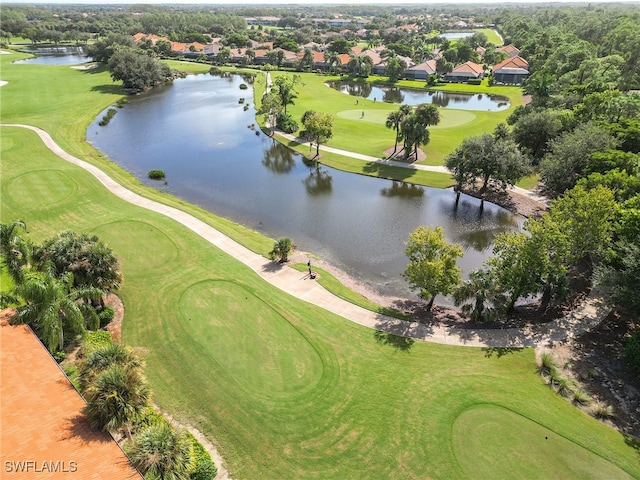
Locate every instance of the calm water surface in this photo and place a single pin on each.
(62, 55)
(408, 96)
(197, 132)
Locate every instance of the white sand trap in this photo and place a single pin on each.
(85, 67)
(2, 82)
(2, 52)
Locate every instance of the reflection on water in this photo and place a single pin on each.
(196, 132)
(402, 189)
(319, 181)
(408, 96)
(278, 159)
(60, 55)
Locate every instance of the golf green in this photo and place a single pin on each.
(448, 117)
(513, 446)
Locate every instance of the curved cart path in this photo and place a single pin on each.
(298, 284)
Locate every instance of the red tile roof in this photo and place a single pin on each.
(512, 62)
(42, 423)
(469, 67)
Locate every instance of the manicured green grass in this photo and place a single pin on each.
(492, 36)
(286, 389)
(529, 182)
(332, 284)
(368, 134)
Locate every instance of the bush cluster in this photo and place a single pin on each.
(157, 174)
(286, 123)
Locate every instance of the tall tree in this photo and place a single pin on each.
(432, 263)
(394, 119)
(284, 86)
(52, 306)
(318, 128)
(14, 249)
(394, 69)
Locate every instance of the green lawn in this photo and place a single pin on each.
(492, 36)
(368, 134)
(286, 389)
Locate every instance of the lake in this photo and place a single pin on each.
(61, 55)
(198, 132)
(409, 96)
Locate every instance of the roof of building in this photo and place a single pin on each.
(467, 69)
(516, 62)
(509, 49)
(42, 419)
(429, 66)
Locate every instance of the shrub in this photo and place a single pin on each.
(246, 107)
(215, 70)
(602, 410)
(122, 102)
(546, 363)
(106, 315)
(157, 174)
(286, 123)
(281, 250)
(632, 351)
(94, 340)
(241, 100)
(564, 386)
(59, 356)
(107, 117)
(581, 397)
(204, 468)
(243, 86)
(474, 81)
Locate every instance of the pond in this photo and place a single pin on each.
(198, 132)
(409, 96)
(61, 55)
(455, 35)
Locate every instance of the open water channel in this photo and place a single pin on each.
(200, 135)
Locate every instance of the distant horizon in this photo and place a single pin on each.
(248, 3)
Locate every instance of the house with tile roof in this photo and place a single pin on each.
(510, 50)
(45, 435)
(512, 70)
(421, 71)
(465, 72)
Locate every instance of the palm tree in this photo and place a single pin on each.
(475, 294)
(116, 398)
(161, 452)
(394, 120)
(14, 249)
(332, 59)
(104, 357)
(281, 249)
(52, 305)
(355, 64)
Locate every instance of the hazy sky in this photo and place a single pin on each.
(307, 2)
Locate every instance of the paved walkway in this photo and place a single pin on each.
(299, 285)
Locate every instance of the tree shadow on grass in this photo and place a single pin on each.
(500, 351)
(388, 171)
(399, 343)
(110, 89)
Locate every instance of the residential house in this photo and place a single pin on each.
(41, 413)
(510, 50)
(511, 70)
(421, 71)
(465, 72)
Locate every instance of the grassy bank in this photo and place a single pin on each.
(286, 389)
